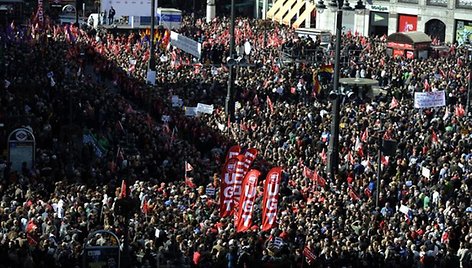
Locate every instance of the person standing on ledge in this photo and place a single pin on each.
(111, 15)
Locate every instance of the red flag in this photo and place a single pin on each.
(387, 135)
(384, 160)
(316, 85)
(323, 156)
(189, 182)
(244, 219)
(367, 192)
(358, 147)
(434, 137)
(271, 105)
(318, 179)
(270, 198)
(459, 110)
(123, 192)
(394, 104)
(365, 135)
(255, 100)
(145, 207)
(227, 186)
(233, 152)
(353, 195)
(188, 167)
(350, 158)
(307, 173)
(309, 255)
(426, 85)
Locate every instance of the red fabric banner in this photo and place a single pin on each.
(244, 219)
(227, 186)
(270, 199)
(233, 152)
(241, 170)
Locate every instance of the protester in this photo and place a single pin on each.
(48, 211)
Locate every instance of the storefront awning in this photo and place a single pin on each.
(410, 38)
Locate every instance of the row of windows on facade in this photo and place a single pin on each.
(459, 3)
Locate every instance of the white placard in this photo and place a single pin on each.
(165, 118)
(204, 108)
(151, 77)
(425, 172)
(430, 99)
(404, 209)
(176, 101)
(186, 44)
(190, 111)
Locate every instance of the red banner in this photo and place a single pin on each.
(270, 199)
(241, 170)
(249, 157)
(244, 220)
(233, 152)
(227, 186)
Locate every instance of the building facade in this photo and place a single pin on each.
(445, 20)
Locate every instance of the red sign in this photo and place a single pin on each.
(407, 23)
(399, 45)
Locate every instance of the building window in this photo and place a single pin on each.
(464, 4)
(409, 1)
(437, 2)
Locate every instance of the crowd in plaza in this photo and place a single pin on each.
(98, 88)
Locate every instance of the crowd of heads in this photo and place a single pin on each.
(98, 90)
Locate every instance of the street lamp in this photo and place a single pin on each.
(333, 150)
(229, 104)
(469, 87)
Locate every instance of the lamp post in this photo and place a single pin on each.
(469, 87)
(229, 104)
(333, 149)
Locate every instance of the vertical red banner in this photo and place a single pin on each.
(233, 152)
(270, 199)
(243, 221)
(227, 184)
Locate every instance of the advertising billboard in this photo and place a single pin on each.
(407, 23)
(463, 32)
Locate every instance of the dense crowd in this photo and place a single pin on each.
(47, 212)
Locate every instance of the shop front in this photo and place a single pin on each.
(378, 23)
(411, 45)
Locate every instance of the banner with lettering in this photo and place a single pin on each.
(430, 99)
(244, 220)
(270, 199)
(227, 186)
(241, 171)
(234, 151)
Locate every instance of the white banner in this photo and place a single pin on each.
(430, 99)
(204, 108)
(186, 44)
